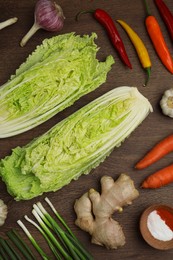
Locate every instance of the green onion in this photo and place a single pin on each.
(45, 236)
(45, 216)
(13, 250)
(79, 246)
(7, 248)
(69, 238)
(3, 258)
(65, 244)
(3, 253)
(33, 241)
(60, 218)
(20, 244)
(54, 240)
(48, 223)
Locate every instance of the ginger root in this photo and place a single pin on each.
(94, 211)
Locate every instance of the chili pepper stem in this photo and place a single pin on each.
(147, 8)
(148, 70)
(83, 12)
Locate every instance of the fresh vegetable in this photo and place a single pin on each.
(166, 15)
(33, 241)
(3, 212)
(75, 145)
(94, 211)
(157, 152)
(158, 41)
(159, 178)
(3, 253)
(49, 237)
(104, 19)
(9, 250)
(166, 103)
(8, 22)
(58, 72)
(60, 218)
(67, 244)
(163, 176)
(20, 244)
(48, 16)
(140, 48)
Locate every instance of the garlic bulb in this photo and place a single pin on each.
(166, 103)
(3, 212)
(48, 16)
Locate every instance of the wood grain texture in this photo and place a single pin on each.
(123, 159)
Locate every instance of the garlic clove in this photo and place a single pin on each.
(166, 103)
(3, 212)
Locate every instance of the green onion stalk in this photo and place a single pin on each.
(45, 236)
(69, 238)
(8, 249)
(20, 244)
(62, 242)
(33, 241)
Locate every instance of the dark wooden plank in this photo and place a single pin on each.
(123, 159)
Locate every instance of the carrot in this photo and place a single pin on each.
(157, 152)
(158, 41)
(159, 178)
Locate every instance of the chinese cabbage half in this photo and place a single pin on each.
(58, 72)
(75, 145)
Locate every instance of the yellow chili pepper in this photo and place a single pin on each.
(140, 48)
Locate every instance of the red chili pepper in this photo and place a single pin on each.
(158, 41)
(104, 18)
(167, 216)
(166, 15)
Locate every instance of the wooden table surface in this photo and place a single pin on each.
(122, 160)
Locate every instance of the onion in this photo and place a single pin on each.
(48, 16)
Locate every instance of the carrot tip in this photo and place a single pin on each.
(138, 167)
(144, 185)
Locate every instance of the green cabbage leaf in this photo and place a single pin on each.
(54, 76)
(75, 145)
